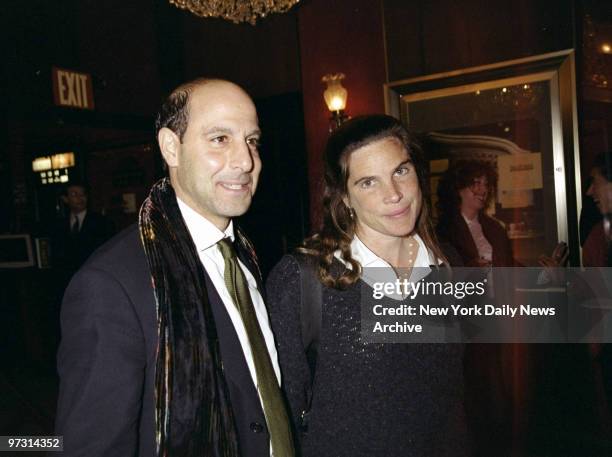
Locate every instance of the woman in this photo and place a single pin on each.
(464, 192)
(497, 398)
(367, 399)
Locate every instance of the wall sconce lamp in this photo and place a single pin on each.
(335, 97)
(53, 169)
(54, 162)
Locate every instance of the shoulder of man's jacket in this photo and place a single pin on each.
(118, 252)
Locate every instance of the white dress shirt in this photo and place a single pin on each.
(205, 236)
(376, 269)
(77, 217)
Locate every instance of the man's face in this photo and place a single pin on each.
(76, 199)
(601, 191)
(216, 167)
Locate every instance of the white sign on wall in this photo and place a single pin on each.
(519, 171)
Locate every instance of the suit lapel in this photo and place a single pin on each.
(246, 253)
(464, 243)
(85, 224)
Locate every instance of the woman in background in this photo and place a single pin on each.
(464, 193)
(497, 397)
(367, 399)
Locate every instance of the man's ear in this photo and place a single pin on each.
(170, 145)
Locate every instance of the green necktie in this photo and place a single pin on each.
(271, 397)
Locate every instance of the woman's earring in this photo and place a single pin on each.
(351, 212)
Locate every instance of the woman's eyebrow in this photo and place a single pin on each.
(404, 162)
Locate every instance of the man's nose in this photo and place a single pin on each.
(242, 157)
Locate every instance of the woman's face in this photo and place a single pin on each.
(474, 197)
(383, 189)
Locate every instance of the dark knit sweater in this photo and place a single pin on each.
(368, 399)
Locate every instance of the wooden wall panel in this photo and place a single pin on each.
(444, 35)
(338, 36)
(263, 58)
(116, 43)
(403, 23)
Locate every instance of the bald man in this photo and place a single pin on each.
(166, 346)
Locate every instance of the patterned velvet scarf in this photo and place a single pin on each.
(193, 411)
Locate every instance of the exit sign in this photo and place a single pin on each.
(72, 89)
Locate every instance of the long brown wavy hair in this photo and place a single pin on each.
(338, 227)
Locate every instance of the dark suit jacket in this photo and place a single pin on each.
(457, 233)
(70, 251)
(107, 357)
(596, 249)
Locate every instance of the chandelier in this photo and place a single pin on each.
(597, 62)
(236, 11)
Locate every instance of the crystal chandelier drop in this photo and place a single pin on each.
(597, 62)
(235, 10)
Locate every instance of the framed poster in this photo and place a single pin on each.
(520, 116)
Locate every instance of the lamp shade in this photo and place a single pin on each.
(62, 160)
(41, 164)
(335, 95)
(54, 162)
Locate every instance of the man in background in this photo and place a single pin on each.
(80, 232)
(597, 252)
(596, 248)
